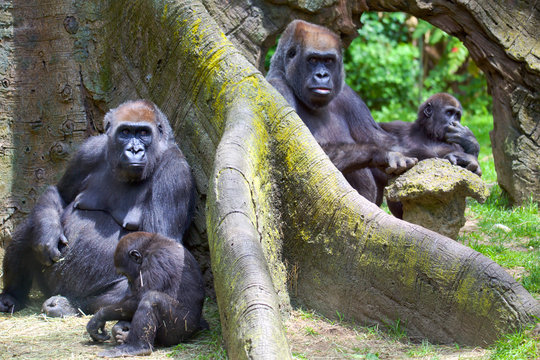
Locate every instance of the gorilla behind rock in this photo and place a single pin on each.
(165, 297)
(436, 133)
(307, 69)
(131, 178)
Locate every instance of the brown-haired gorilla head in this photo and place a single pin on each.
(310, 58)
(437, 113)
(138, 133)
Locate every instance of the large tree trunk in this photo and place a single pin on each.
(280, 219)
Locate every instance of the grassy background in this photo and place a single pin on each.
(510, 236)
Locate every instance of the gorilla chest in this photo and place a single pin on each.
(123, 202)
(329, 129)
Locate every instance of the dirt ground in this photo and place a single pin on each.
(318, 338)
(30, 335)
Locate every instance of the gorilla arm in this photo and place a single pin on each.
(41, 234)
(351, 157)
(48, 239)
(88, 158)
(463, 136)
(172, 197)
(122, 311)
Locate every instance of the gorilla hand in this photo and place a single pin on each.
(466, 161)
(463, 136)
(398, 163)
(96, 328)
(50, 245)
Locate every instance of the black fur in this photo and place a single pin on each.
(165, 298)
(67, 242)
(436, 133)
(307, 69)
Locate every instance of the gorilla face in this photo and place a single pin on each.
(438, 113)
(128, 257)
(134, 140)
(314, 75)
(132, 143)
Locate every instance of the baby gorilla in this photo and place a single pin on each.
(165, 297)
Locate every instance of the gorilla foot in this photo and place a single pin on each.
(58, 306)
(126, 350)
(9, 304)
(120, 331)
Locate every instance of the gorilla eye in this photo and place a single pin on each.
(329, 61)
(136, 256)
(449, 112)
(312, 60)
(125, 132)
(144, 132)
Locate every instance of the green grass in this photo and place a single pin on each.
(515, 245)
(423, 350)
(518, 346)
(481, 126)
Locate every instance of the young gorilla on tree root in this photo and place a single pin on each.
(436, 133)
(165, 297)
(131, 178)
(307, 69)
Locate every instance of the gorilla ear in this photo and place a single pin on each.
(291, 52)
(160, 128)
(428, 110)
(136, 256)
(107, 126)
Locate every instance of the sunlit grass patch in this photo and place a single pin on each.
(508, 235)
(519, 345)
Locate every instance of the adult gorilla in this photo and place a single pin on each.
(307, 69)
(131, 178)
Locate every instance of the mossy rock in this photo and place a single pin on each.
(433, 195)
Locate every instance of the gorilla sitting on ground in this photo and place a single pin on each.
(165, 298)
(133, 177)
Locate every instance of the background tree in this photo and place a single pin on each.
(269, 190)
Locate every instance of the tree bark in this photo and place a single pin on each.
(280, 219)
